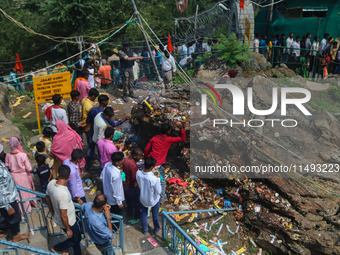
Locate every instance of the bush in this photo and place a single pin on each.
(231, 50)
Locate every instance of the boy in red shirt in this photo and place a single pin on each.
(160, 145)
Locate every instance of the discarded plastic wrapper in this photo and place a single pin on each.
(204, 248)
(93, 190)
(26, 115)
(153, 242)
(231, 232)
(192, 217)
(5, 140)
(219, 230)
(148, 105)
(259, 252)
(273, 238)
(237, 228)
(240, 251)
(219, 244)
(252, 241)
(201, 240)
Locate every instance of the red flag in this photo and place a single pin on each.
(18, 64)
(242, 4)
(170, 48)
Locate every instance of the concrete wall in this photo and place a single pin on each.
(236, 22)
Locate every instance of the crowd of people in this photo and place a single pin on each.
(67, 149)
(324, 55)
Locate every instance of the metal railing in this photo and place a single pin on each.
(14, 247)
(40, 218)
(176, 238)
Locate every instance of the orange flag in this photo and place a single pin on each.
(170, 48)
(242, 4)
(18, 64)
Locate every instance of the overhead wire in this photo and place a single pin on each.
(98, 45)
(257, 149)
(36, 56)
(56, 38)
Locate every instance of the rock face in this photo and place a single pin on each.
(7, 128)
(258, 63)
(5, 105)
(313, 197)
(212, 69)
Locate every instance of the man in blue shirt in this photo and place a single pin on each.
(98, 224)
(103, 101)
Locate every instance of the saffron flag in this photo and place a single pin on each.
(18, 64)
(242, 4)
(170, 48)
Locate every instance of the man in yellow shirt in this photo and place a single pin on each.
(87, 104)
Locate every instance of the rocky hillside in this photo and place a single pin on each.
(291, 213)
(7, 128)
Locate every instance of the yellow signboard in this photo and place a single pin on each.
(247, 31)
(47, 86)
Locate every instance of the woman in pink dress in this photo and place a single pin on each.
(19, 165)
(64, 142)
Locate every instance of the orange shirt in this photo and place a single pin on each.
(105, 72)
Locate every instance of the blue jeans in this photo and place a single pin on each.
(106, 248)
(91, 149)
(73, 242)
(162, 172)
(155, 218)
(99, 157)
(132, 201)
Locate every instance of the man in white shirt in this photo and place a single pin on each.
(168, 68)
(150, 190)
(60, 204)
(296, 50)
(191, 49)
(100, 123)
(289, 43)
(56, 112)
(112, 182)
(184, 50)
(323, 43)
(207, 47)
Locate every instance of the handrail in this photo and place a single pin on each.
(115, 218)
(24, 247)
(186, 237)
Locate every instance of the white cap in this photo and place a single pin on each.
(1, 148)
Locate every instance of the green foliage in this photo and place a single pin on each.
(179, 80)
(231, 50)
(79, 17)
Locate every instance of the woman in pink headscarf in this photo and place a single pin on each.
(64, 142)
(19, 165)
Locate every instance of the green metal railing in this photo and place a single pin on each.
(45, 219)
(14, 248)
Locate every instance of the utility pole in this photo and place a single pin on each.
(147, 43)
(196, 23)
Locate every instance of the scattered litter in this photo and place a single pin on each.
(93, 190)
(253, 243)
(219, 230)
(5, 140)
(240, 251)
(231, 232)
(153, 242)
(204, 248)
(26, 115)
(273, 238)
